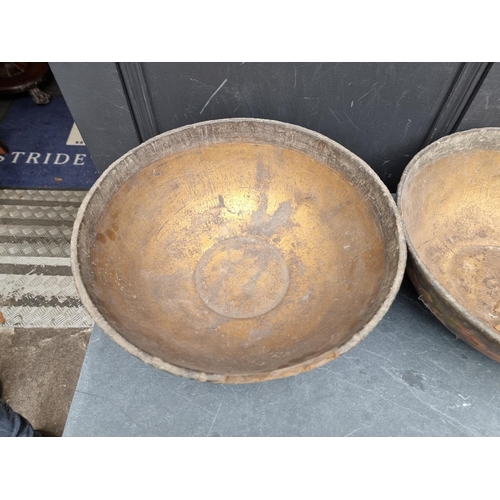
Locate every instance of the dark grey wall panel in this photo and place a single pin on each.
(95, 96)
(380, 111)
(484, 110)
(136, 88)
(467, 82)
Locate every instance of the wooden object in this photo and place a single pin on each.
(17, 77)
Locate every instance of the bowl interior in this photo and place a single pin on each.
(451, 208)
(239, 257)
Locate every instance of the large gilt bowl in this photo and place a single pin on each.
(449, 198)
(238, 250)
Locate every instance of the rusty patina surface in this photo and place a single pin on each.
(238, 250)
(449, 197)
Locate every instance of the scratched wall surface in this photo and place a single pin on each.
(94, 95)
(484, 110)
(380, 111)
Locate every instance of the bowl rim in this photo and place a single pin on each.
(412, 168)
(304, 366)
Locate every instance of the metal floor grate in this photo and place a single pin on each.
(36, 286)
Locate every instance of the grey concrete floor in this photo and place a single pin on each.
(44, 329)
(39, 369)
